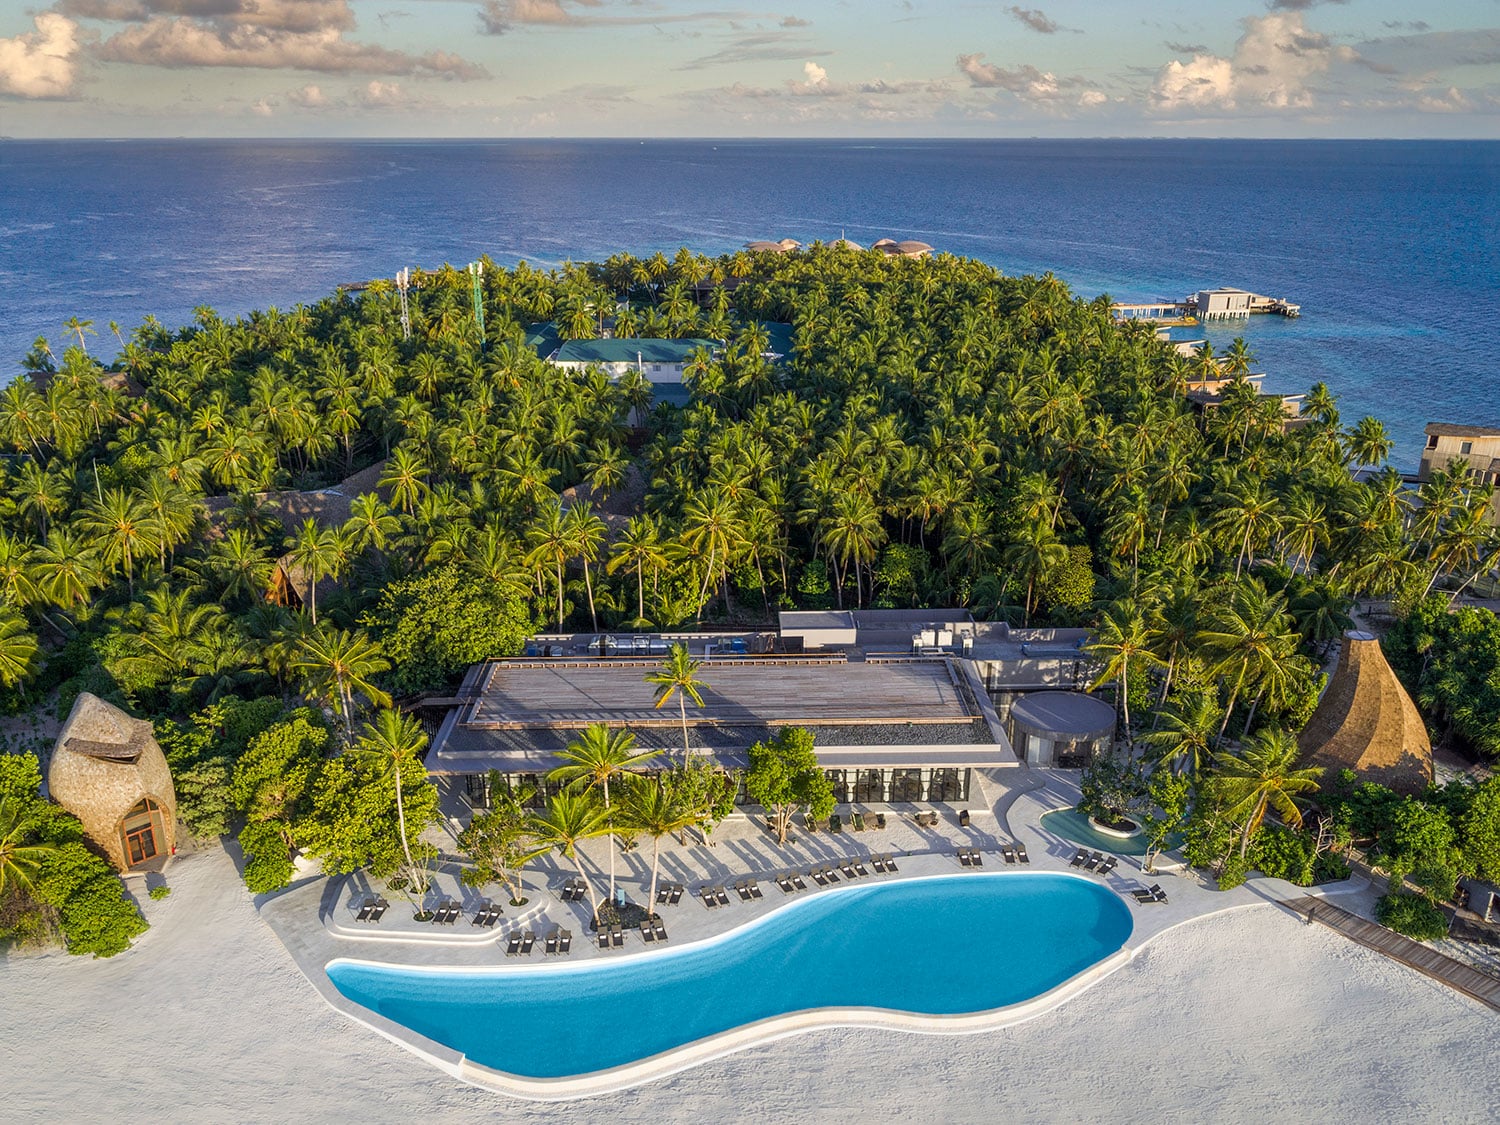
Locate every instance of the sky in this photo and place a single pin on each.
(787, 68)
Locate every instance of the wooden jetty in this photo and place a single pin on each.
(1429, 962)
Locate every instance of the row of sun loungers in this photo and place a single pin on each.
(883, 864)
(653, 931)
(669, 894)
(1150, 894)
(372, 910)
(970, 857)
(446, 913)
(858, 822)
(1014, 853)
(487, 915)
(559, 942)
(613, 938)
(925, 820)
(747, 889)
(573, 890)
(1097, 862)
(790, 883)
(713, 897)
(519, 943)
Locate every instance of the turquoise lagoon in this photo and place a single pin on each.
(935, 946)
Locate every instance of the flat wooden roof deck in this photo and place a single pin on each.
(762, 692)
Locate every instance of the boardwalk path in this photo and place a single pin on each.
(1456, 975)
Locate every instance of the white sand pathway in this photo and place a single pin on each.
(1246, 1016)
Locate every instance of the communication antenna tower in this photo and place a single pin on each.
(403, 283)
(476, 275)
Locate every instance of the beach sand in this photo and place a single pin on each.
(1242, 1016)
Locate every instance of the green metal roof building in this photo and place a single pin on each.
(633, 349)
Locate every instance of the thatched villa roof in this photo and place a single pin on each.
(845, 244)
(327, 507)
(1367, 723)
(104, 764)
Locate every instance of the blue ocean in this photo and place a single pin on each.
(1389, 247)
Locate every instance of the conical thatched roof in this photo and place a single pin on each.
(1367, 723)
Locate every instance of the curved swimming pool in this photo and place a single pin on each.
(934, 946)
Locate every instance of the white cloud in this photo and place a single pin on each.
(308, 97)
(43, 63)
(1024, 81)
(1451, 100)
(816, 75)
(381, 95)
(1274, 65)
(264, 107)
(184, 42)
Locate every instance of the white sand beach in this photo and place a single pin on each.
(1237, 1017)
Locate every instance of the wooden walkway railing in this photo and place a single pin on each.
(1429, 962)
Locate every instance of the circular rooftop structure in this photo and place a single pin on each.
(1060, 727)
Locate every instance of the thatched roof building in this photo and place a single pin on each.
(1367, 723)
(108, 771)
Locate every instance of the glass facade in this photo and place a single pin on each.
(944, 784)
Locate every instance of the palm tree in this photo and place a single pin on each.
(66, 568)
(678, 676)
(568, 820)
(852, 532)
(1121, 639)
(79, 327)
(551, 545)
(1247, 636)
(653, 807)
(586, 534)
(1185, 733)
(19, 862)
(336, 664)
(405, 476)
(1263, 776)
(596, 756)
(121, 522)
(1037, 551)
(388, 745)
(1367, 443)
(320, 554)
(639, 549)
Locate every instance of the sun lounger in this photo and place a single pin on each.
(817, 876)
(830, 874)
(963, 856)
(835, 824)
(848, 869)
(661, 895)
(365, 910)
(1107, 866)
(797, 882)
(1141, 894)
(381, 906)
(859, 869)
(527, 941)
(1021, 853)
(1008, 853)
(565, 942)
(880, 820)
(710, 900)
(513, 943)
(617, 938)
(659, 929)
(676, 896)
(890, 863)
(723, 899)
(603, 939)
(1080, 857)
(551, 945)
(743, 891)
(648, 935)
(1093, 861)
(976, 858)
(785, 883)
(878, 863)
(857, 822)
(485, 915)
(963, 819)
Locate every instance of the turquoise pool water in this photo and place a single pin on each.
(1073, 825)
(935, 946)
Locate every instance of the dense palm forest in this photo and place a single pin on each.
(939, 435)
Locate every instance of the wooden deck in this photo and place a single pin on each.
(1429, 962)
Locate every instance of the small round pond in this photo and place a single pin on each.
(1074, 826)
(936, 946)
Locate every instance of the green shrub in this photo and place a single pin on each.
(1411, 915)
(1330, 868)
(160, 891)
(268, 863)
(1283, 854)
(93, 912)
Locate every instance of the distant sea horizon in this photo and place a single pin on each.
(1392, 248)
